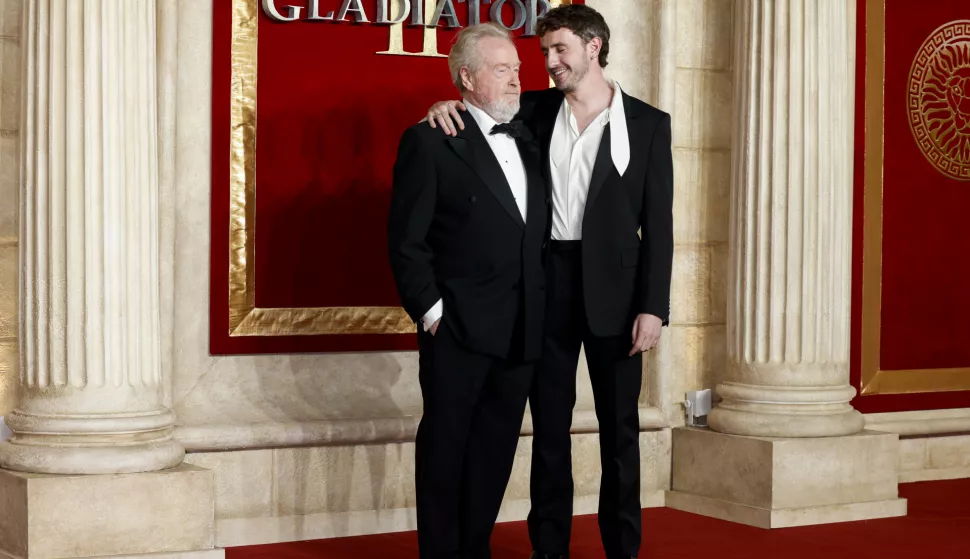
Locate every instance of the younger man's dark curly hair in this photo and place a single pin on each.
(583, 21)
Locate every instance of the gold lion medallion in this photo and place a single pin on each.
(938, 100)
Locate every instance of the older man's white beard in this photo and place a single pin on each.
(501, 110)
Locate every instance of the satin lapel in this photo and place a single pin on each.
(601, 169)
(535, 193)
(471, 146)
(545, 127)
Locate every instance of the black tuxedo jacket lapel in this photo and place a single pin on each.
(601, 168)
(546, 116)
(471, 146)
(531, 160)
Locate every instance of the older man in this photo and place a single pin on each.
(465, 236)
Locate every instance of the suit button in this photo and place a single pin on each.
(515, 285)
(544, 244)
(473, 199)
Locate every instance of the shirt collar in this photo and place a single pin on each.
(619, 136)
(615, 115)
(601, 119)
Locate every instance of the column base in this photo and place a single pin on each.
(785, 411)
(75, 460)
(782, 482)
(159, 515)
(784, 518)
(776, 423)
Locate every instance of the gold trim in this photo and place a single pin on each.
(242, 161)
(872, 193)
(912, 381)
(245, 319)
(875, 380)
(325, 320)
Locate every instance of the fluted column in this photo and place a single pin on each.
(89, 322)
(791, 222)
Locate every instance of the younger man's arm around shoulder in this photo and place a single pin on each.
(446, 115)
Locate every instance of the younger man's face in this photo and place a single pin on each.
(567, 58)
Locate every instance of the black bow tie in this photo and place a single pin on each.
(515, 129)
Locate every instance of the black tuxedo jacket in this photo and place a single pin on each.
(622, 274)
(456, 233)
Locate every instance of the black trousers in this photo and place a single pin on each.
(616, 379)
(465, 446)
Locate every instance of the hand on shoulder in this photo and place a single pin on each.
(445, 114)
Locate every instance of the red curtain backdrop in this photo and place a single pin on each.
(925, 300)
(330, 113)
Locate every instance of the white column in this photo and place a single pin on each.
(91, 394)
(791, 222)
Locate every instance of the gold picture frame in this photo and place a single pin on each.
(245, 318)
(875, 379)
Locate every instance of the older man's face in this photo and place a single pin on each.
(495, 85)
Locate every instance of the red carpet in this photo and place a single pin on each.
(936, 527)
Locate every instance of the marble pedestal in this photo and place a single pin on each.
(781, 482)
(160, 515)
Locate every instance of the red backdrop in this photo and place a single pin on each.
(925, 301)
(330, 113)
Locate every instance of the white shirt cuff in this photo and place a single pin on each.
(432, 315)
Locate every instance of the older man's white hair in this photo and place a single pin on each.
(465, 53)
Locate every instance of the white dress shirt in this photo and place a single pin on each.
(572, 156)
(507, 153)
